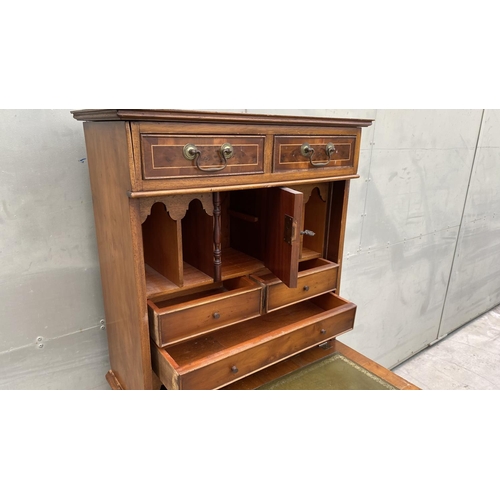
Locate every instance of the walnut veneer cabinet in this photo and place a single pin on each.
(220, 241)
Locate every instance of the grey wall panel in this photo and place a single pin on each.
(475, 279)
(483, 198)
(45, 201)
(400, 291)
(413, 192)
(76, 361)
(49, 304)
(416, 179)
(357, 200)
(427, 129)
(49, 271)
(490, 130)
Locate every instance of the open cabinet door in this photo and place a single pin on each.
(283, 234)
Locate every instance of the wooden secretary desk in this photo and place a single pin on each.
(220, 240)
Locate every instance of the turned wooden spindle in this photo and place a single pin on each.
(217, 238)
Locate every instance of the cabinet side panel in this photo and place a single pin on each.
(120, 254)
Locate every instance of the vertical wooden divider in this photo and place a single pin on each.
(162, 238)
(198, 238)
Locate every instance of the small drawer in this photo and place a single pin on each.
(316, 276)
(310, 152)
(172, 156)
(232, 353)
(174, 320)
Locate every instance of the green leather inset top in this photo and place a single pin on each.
(335, 372)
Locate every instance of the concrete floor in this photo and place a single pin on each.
(466, 359)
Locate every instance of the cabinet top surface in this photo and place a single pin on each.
(172, 115)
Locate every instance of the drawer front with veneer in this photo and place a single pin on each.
(316, 277)
(175, 320)
(298, 153)
(165, 156)
(231, 353)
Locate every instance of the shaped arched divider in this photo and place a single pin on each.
(162, 240)
(178, 243)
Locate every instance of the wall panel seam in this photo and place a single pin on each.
(460, 227)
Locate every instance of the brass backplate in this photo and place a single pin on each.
(289, 226)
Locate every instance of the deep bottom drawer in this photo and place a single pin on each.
(234, 352)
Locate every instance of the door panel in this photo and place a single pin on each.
(285, 208)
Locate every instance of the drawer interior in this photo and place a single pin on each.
(216, 345)
(315, 277)
(305, 268)
(315, 265)
(218, 291)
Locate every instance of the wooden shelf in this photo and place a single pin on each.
(235, 264)
(308, 254)
(157, 285)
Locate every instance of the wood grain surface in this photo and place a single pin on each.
(119, 240)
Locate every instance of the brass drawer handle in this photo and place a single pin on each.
(191, 152)
(307, 151)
